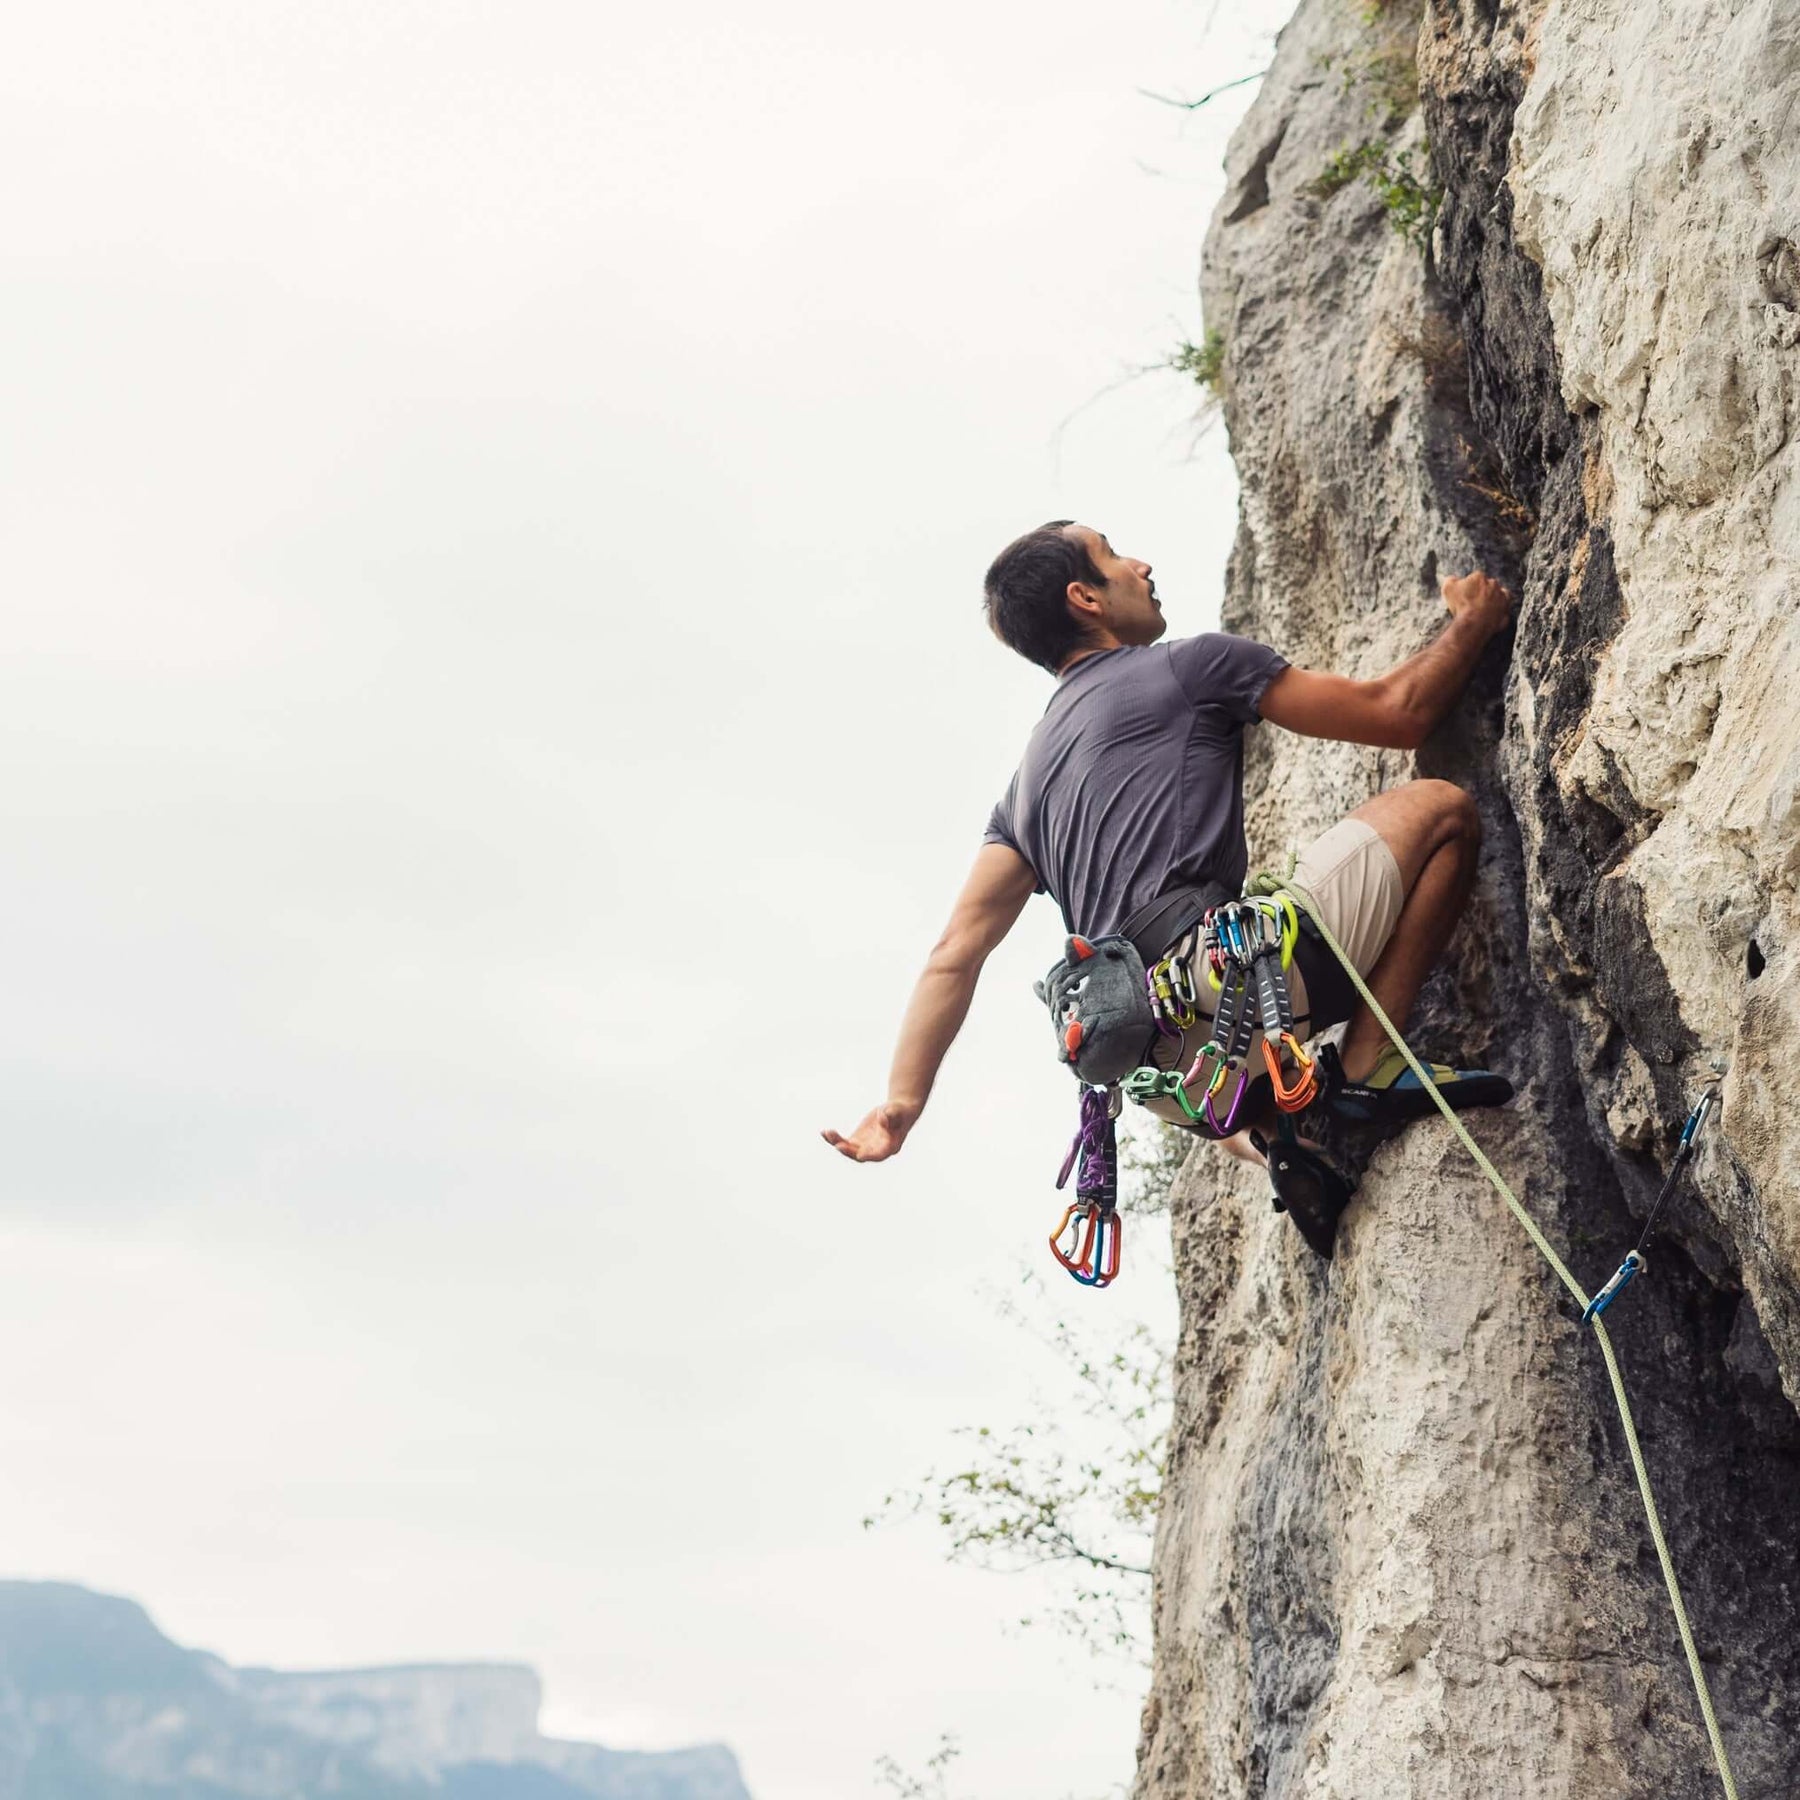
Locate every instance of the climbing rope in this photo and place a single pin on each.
(1271, 884)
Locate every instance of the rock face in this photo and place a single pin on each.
(409, 1721)
(96, 1704)
(1401, 1549)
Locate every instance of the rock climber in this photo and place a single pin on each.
(1131, 786)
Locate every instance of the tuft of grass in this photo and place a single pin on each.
(1484, 475)
(1437, 347)
(1204, 362)
(1411, 204)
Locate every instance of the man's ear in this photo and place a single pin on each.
(1084, 603)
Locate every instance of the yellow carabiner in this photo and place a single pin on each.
(1290, 929)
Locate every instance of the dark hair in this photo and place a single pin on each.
(1027, 594)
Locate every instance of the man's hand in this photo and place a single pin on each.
(1479, 598)
(879, 1136)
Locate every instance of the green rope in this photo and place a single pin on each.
(1267, 883)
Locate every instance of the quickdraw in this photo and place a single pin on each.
(1229, 1044)
(1636, 1262)
(1632, 1266)
(1244, 944)
(1252, 942)
(1091, 1220)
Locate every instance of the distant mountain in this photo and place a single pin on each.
(96, 1704)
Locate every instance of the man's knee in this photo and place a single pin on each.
(1418, 819)
(1463, 813)
(1457, 817)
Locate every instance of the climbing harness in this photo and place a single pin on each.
(1246, 945)
(1111, 1002)
(1091, 1220)
(1636, 1262)
(1270, 884)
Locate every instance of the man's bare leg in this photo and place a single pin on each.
(1434, 831)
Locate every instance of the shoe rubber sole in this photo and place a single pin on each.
(1310, 1192)
(1359, 1105)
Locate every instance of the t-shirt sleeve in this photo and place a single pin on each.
(1217, 669)
(1001, 830)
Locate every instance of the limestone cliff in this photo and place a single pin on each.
(1401, 1551)
(96, 1704)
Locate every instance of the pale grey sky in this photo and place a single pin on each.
(495, 711)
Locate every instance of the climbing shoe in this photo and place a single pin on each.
(1391, 1094)
(1307, 1188)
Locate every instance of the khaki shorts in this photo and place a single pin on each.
(1352, 876)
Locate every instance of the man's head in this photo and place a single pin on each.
(1062, 590)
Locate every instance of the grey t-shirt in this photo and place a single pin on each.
(1133, 780)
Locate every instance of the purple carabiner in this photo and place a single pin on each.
(1237, 1100)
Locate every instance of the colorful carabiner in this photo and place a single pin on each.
(1181, 971)
(1175, 997)
(1304, 1089)
(1164, 1024)
(1633, 1265)
(1237, 1100)
(1290, 929)
(1096, 1241)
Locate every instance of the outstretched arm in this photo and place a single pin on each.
(1399, 710)
(992, 899)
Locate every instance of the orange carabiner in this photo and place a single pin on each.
(1304, 1089)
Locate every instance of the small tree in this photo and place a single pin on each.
(1031, 1495)
(934, 1784)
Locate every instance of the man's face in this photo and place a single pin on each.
(1129, 607)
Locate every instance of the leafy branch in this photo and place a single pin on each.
(932, 1785)
(1023, 1498)
(1411, 203)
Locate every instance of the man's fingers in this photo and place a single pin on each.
(846, 1146)
(877, 1138)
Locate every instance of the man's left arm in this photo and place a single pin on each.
(986, 910)
(1400, 709)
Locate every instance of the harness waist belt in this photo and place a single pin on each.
(1154, 928)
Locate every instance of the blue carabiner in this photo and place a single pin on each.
(1697, 1117)
(1627, 1271)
